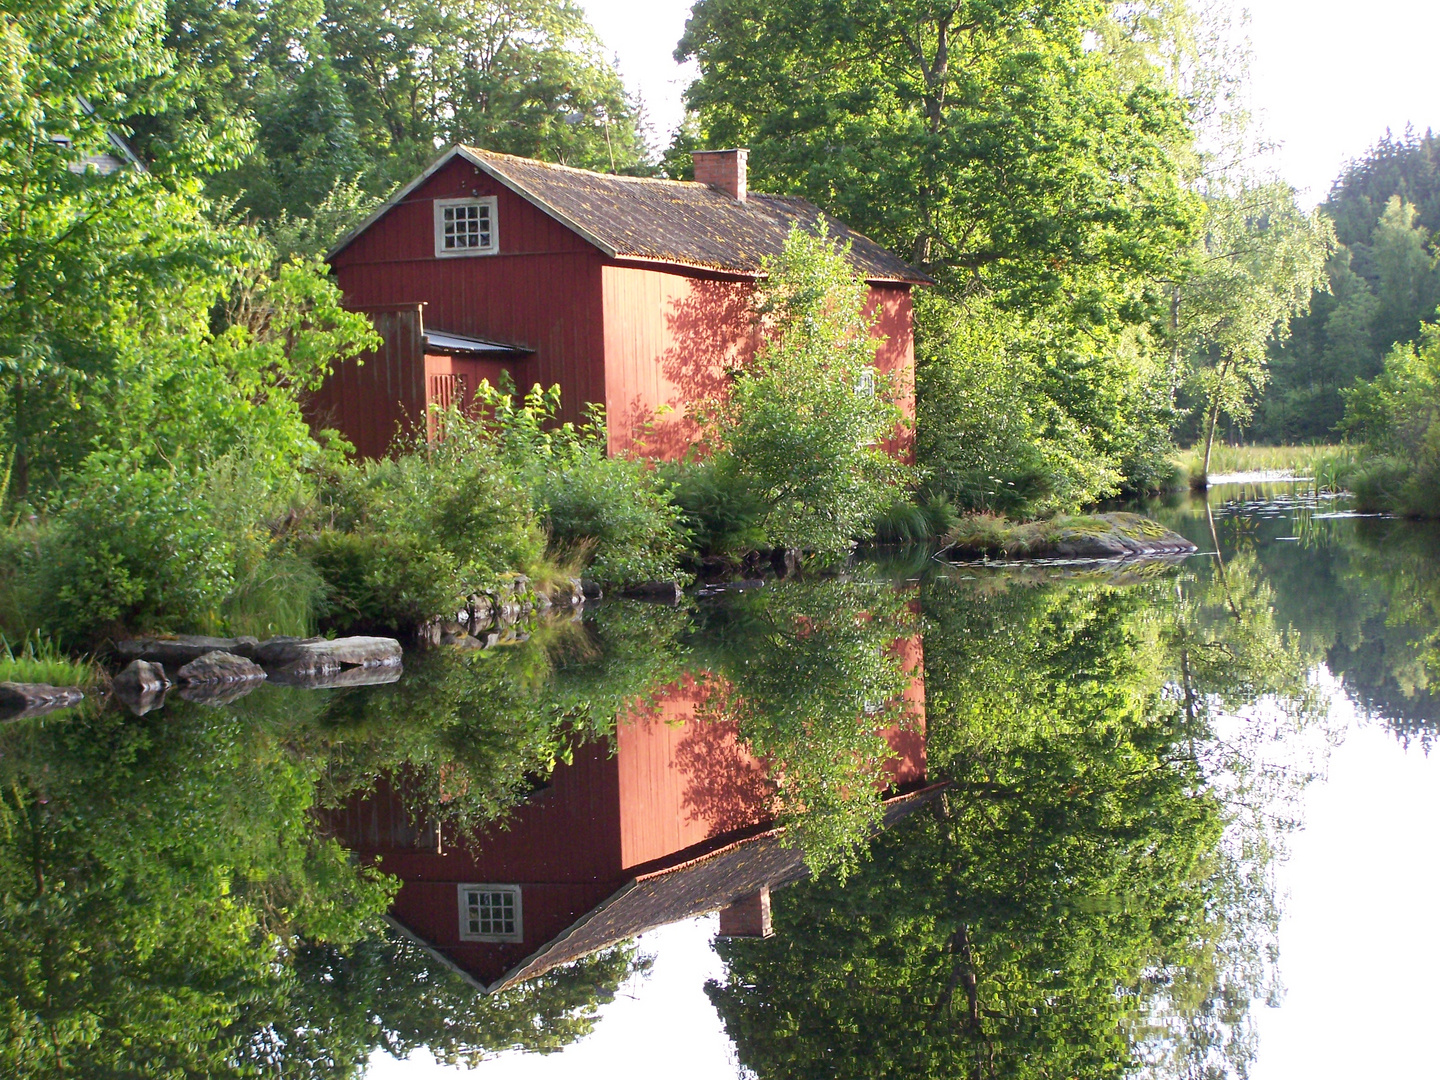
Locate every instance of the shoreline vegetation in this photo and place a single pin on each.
(165, 312)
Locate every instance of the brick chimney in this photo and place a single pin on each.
(750, 915)
(723, 169)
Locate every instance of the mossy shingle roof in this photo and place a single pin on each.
(674, 222)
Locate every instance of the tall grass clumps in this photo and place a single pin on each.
(39, 660)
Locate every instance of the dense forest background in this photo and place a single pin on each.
(1383, 284)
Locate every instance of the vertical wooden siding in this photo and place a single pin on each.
(669, 339)
(540, 292)
(375, 397)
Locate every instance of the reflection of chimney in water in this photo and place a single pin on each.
(723, 169)
(748, 916)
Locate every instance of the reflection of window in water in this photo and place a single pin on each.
(490, 913)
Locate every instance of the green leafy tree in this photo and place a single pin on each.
(1385, 206)
(519, 76)
(1254, 269)
(803, 424)
(1032, 158)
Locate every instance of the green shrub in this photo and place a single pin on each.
(413, 535)
(1397, 414)
(617, 508)
(375, 581)
(620, 505)
(135, 549)
(719, 508)
(991, 433)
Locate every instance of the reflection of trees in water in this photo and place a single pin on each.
(1390, 659)
(1089, 899)
(168, 907)
(809, 675)
(171, 908)
(386, 993)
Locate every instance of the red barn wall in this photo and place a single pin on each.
(683, 781)
(541, 291)
(371, 398)
(669, 338)
(893, 310)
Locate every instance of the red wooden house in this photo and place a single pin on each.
(671, 822)
(628, 292)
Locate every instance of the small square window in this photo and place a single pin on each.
(490, 913)
(865, 383)
(465, 227)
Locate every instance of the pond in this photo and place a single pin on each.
(912, 819)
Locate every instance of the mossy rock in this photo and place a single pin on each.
(1118, 535)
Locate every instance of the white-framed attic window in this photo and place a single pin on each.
(466, 227)
(491, 913)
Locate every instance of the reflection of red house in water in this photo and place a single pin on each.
(628, 292)
(673, 823)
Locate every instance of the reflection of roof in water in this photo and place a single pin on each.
(671, 892)
(685, 889)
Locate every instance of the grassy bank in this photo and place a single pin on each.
(1322, 461)
(38, 660)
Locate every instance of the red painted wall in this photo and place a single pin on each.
(669, 339)
(541, 291)
(650, 344)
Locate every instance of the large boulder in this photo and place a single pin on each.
(141, 686)
(220, 669)
(177, 650)
(21, 701)
(319, 655)
(141, 677)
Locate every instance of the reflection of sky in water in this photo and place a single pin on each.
(1358, 944)
(657, 1022)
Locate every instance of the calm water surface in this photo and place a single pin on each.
(917, 820)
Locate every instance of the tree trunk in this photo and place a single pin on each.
(20, 463)
(1211, 421)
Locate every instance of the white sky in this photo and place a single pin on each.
(1329, 76)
